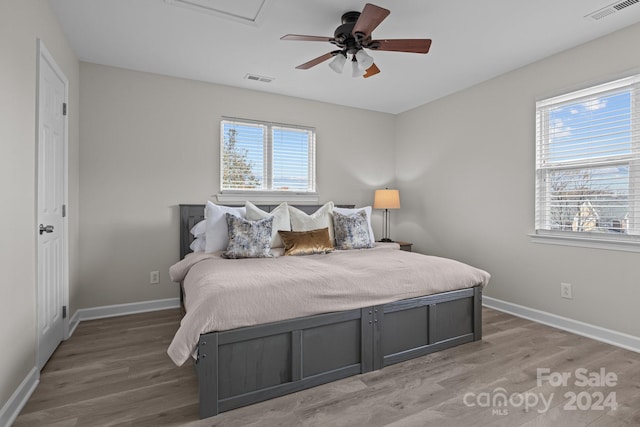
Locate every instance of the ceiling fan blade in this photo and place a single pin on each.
(401, 45)
(369, 19)
(371, 71)
(300, 37)
(315, 61)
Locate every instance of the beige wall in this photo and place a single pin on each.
(465, 165)
(151, 142)
(22, 22)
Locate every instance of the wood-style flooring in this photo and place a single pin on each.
(115, 372)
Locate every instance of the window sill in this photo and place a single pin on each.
(268, 197)
(593, 242)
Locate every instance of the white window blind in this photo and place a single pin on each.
(588, 162)
(264, 156)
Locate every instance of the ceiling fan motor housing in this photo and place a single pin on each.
(344, 37)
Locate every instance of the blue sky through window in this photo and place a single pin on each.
(595, 127)
(249, 139)
(290, 159)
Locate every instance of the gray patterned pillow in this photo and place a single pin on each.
(248, 239)
(351, 231)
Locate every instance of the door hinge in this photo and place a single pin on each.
(64, 211)
(64, 311)
(64, 108)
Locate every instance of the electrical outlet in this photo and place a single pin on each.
(154, 277)
(566, 291)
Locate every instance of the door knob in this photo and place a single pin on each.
(46, 229)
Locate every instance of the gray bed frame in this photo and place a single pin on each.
(247, 365)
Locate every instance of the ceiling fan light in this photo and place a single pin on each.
(337, 64)
(356, 71)
(364, 60)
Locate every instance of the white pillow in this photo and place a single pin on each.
(280, 216)
(199, 229)
(367, 211)
(217, 234)
(198, 244)
(321, 218)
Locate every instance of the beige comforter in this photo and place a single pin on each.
(224, 294)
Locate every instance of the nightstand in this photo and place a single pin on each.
(405, 246)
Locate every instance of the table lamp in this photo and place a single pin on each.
(386, 199)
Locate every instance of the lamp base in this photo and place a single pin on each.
(386, 240)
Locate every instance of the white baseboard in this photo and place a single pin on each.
(619, 339)
(124, 309)
(10, 411)
(73, 324)
(105, 311)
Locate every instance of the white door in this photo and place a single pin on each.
(51, 230)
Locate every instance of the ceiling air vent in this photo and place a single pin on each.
(624, 4)
(612, 8)
(258, 78)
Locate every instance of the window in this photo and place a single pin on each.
(588, 162)
(266, 157)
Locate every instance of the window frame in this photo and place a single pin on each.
(543, 233)
(268, 194)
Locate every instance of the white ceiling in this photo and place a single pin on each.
(472, 41)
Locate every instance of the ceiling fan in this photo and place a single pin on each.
(353, 36)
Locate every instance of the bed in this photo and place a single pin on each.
(248, 364)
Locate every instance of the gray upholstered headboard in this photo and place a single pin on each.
(190, 215)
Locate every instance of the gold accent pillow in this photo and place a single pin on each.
(306, 242)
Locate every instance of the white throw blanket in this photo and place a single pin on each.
(223, 294)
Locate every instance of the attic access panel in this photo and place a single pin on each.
(247, 11)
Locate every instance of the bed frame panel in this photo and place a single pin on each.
(262, 362)
(247, 365)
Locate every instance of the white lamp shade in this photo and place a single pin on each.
(364, 61)
(356, 71)
(386, 199)
(337, 64)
